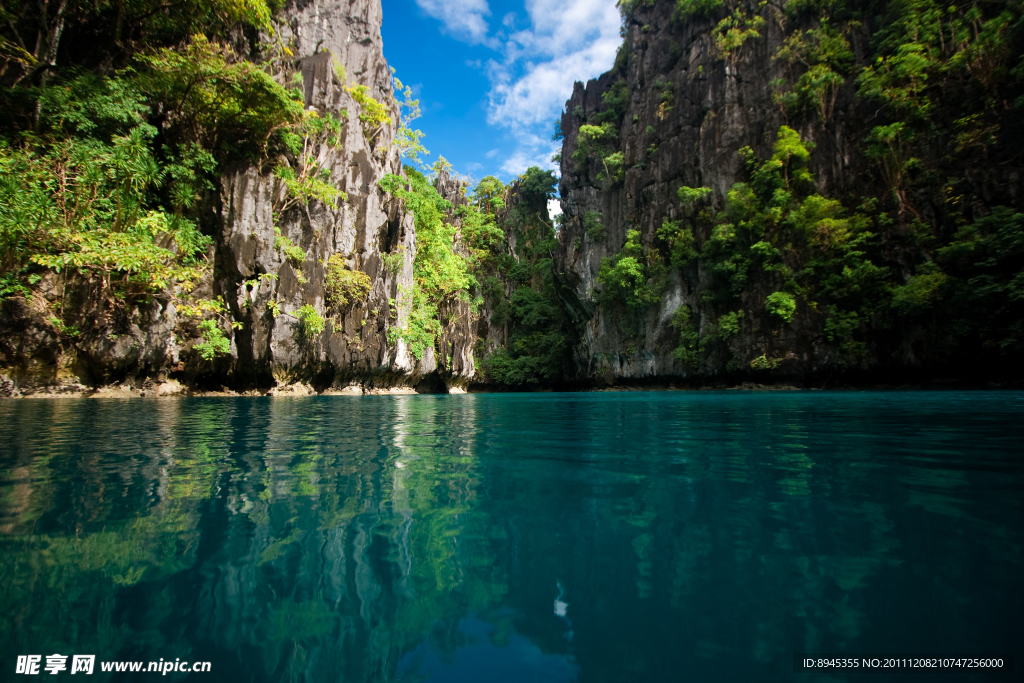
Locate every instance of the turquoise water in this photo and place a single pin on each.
(514, 537)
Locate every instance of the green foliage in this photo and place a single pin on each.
(344, 287)
(629, 7)
(935, 64)
(310, 141)
(633, 277)
(589, 141)
(781, 305)
(680, 235)
(393, 262)
(616, 101)
(937, 83)
(537, 350)
(984, 265)
(763, 362)
(596, 141)
(729, 324)
(407, 140)
(537, 186)
(482, 235)
(489, 195)
(422, 324)
(825, 56)
(558, 135)
(441, 275)
(734, 30)
(537, 333)
(593, 226)
(81, 206)
(311, 323)
(121, 28)
(666, 98)
(688, 350)
(681, 242)
(212, 98)
(292, 251)
(214, 342)
(613, 164)
(86, 192)
(776, 232)
(690, 195)
(373, 115)
(921, 292)
(687, 9)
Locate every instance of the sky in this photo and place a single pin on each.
(492, 76)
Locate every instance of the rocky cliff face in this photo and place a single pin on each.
(336, 44)
(686, 111)
(717, 107)
(331, 48)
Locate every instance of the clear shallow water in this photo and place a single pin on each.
(531, 537)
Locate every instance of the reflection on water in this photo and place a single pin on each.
(590, 537)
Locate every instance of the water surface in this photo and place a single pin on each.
(513, 537)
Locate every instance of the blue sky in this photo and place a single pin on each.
(493, 75)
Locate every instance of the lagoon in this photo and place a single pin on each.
(636, 536)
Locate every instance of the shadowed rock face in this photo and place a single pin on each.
(717, 106)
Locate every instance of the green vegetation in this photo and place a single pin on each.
(441, 275)
(214, 342)
(374, 115)
(679, 235)
(634, 277)
(108, 169)
(102, 165)
(782, 305)
(734, 30)
(685, 9)
(979, 282)
(461, 258)
(291, 251)
(775, 233)
(308, 179)
(407, 140)
(689, 338)
(538, 335)
(343, 286)
(826, 57)
(597, 137)
(763, 362)
(311, 322)
(593, 226)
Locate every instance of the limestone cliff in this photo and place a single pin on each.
(336, 44)
(270, 255)
(686, 106)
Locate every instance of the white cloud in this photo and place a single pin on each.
(534, 71)
(463, 18)
(554, 208)
(566, 42)
(532, 150)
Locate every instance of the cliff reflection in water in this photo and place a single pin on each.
(399, 538)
